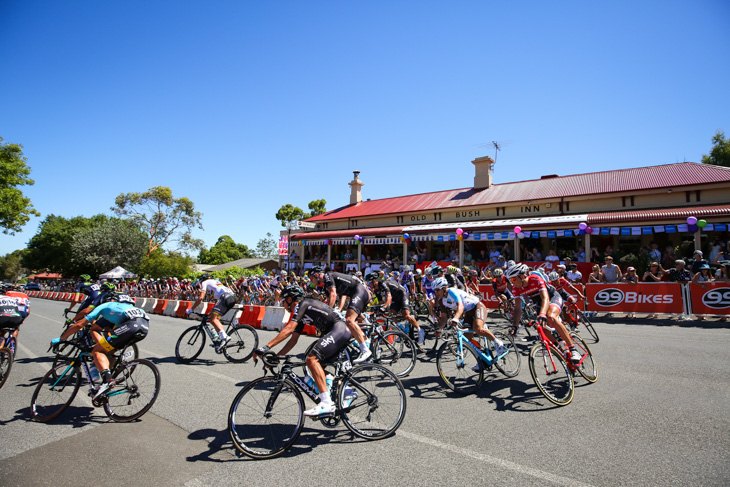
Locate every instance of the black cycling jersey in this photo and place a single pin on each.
(313, 312)
(398, 292)
(454, 282)
(344, 284)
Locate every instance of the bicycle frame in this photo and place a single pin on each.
(462, 341)
(550, 340)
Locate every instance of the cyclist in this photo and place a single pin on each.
(532, 285)
(502, 287)
(407, 281)
(226, 299)
(464, 305)
(11, 315)
(129, 325)
(91, 290)
(277, 284)
(346, 286)
(562, 285)
(455, 278)
(394, 296)
(330, 326)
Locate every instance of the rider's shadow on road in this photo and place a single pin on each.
(74, 416)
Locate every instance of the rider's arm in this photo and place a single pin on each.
(199, 299)
(332, 297)
(287, 331)
(580, 294)
(545, 302)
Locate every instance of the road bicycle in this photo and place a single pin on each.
(244, 340)
(461, 361)
(573, 317)
(551, 367)
(137, 385)
(266, 416)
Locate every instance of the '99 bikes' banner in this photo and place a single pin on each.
(710, 298)
(660, 297)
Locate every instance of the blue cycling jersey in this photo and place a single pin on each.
(117, 313)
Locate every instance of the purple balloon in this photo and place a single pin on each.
(693, 228)
(589, 230)
(582, 226)
(581, 232)
(691, 220)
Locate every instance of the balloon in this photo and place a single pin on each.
(459, 231)
(304, 242)
(702, 223)
(465, 234)
(589, 230)
(520, 235)
(406, 236)
(693, 229)
(357, 237)
(460, 237)
(582, 225)
(581, 232)
(691, 220)
(402, 239)
(518, 229)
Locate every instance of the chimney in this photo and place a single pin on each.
(356, 184)
(483, 172)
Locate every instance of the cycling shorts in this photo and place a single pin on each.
(507, 293)
(11, 321)
(131, 331)
(224, 304)
(399, 305)
(359, 299)
(333, 342)
(478, 312)
(556, 300)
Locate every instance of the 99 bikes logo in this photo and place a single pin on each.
(612, 297)
(717, 298)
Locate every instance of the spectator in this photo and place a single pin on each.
(494, 254)
(573, 275)
(654, 273)
(679, 273)
(655, 254)
(610, 252)
(483, 256)
(595, 275)
(536, 255)
(348, 255)
(715, 249)
(580, 255)
(630, 278)
(610, 272)
(668, 257)
(552, 257)
(697, 262)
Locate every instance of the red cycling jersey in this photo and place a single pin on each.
(535, 283)
(499, 284)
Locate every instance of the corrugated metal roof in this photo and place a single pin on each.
(658, 215)
(621, 180)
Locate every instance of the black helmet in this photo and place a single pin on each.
(315, 270)
(372, 277)
(117, 298)
(108, 286)
(292, 291)
(84, 278)
(205, 277)
(436, 270)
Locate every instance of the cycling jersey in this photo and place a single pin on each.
(130, 324)
(91, 290)
(399, 295)
(427, 284)
(454, 282)
(313, 312)
(215, 286)
(535, 284)
(23, 302)
(406, 279)
(116, 313)
(500, 284)
(344, 285)
(455, 296)
(9, 314)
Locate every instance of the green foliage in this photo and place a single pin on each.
(109, 244)
(161, 263)
(234, 273)
(317, 207)
(165, 219)
(15, 209)
(224, 250)
(720, 153)
(50, 248)
(267, 248)
(289, 213)
(11, 266)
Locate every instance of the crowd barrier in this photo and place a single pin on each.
(647, 298)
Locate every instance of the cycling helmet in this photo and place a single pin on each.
(473, 272)
(372, 277)
(440, 283)
(453, 269)
(293, 291)
(117, 298)
(516, 270)
(510, 263)
(497, 272)
(358, 274)
(205, 277)
(553, 276)
(437, 270)
(108, 286)
(419, 272)
(283, 273)
(315, 270)
(406, 268)
(396, 273)
(84, 278)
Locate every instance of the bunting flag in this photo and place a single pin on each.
(615, 231)
(670, 229)
(551, 234)
(605, 231)
(683, 228)
(625, 231)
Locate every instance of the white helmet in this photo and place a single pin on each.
(439, 283)
(553, 276)
(283, 273)
(516, 270)
(418, 271)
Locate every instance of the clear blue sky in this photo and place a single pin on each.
(246, 106)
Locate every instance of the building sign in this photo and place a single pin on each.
(283, 245)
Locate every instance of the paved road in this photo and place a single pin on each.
(658, 415)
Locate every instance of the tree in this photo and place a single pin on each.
(267, 248)
(111, 243)
(289, 213)
(165, 219)
(11, 266)
(720, 153)
(15, 209)
(224, 250)
(50, 248)
(161, 263)
(317, 207)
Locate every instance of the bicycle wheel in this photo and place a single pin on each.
(509, 363)
(396, 352)
(131, 353)
(6, 363)
(244, 340)
(136, 389)
(589, 327)
(551, 374)
(266, 417)
(55, 391)
(587, 367)
(457, 369)
(506, 311)
(190, 344)
(372, 401)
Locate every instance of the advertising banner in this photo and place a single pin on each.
(709, 298)
(660, 297)
(283, 245)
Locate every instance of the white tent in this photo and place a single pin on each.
(117, 273)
